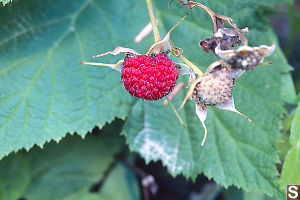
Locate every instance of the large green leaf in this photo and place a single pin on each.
(46, 93)
(63, 171)
(127, 185)
(291, 167)
(75, 164)
(14, 177)
(236, 152)
(120, 176)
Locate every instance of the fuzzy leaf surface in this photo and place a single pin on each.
(45, 91)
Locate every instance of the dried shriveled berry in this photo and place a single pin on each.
(224, 38)
(214, 88)
(149, 78)
(246, 60)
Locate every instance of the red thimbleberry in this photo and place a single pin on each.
(149, 78)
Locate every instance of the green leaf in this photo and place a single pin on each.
(236, 152)
(291, 167)
(295, 129)
(59, 170)
(127, 185)
(73, 165)
(14, 177)
(288, 89)
(256, 196)
(120, 176)
(233, 193)
(45, 91)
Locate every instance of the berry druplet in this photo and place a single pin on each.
(149, 78)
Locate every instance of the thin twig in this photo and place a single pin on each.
(216, 18)
(177, 114)
(173, 93)
(190, 64)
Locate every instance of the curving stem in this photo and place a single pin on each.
(212, 14)
(215, 17)
(190, 64)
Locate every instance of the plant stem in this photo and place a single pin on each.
(177, 114)
(153, 21)
(209, 11)
(215, 17)
(190, 64)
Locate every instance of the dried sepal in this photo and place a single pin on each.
(125, 51)
(229, 105)
(190, 92)
(245, 57)
(118, 66)
(164, 44)
(182, 68)
(213, 66)
(201, 112)
(265, 50)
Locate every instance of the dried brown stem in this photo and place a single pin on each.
(212, 14)
(218, 19)
(243, 38)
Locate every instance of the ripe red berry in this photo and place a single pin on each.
(149, 78)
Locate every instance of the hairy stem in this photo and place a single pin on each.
(190, 64)
(153, 21)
